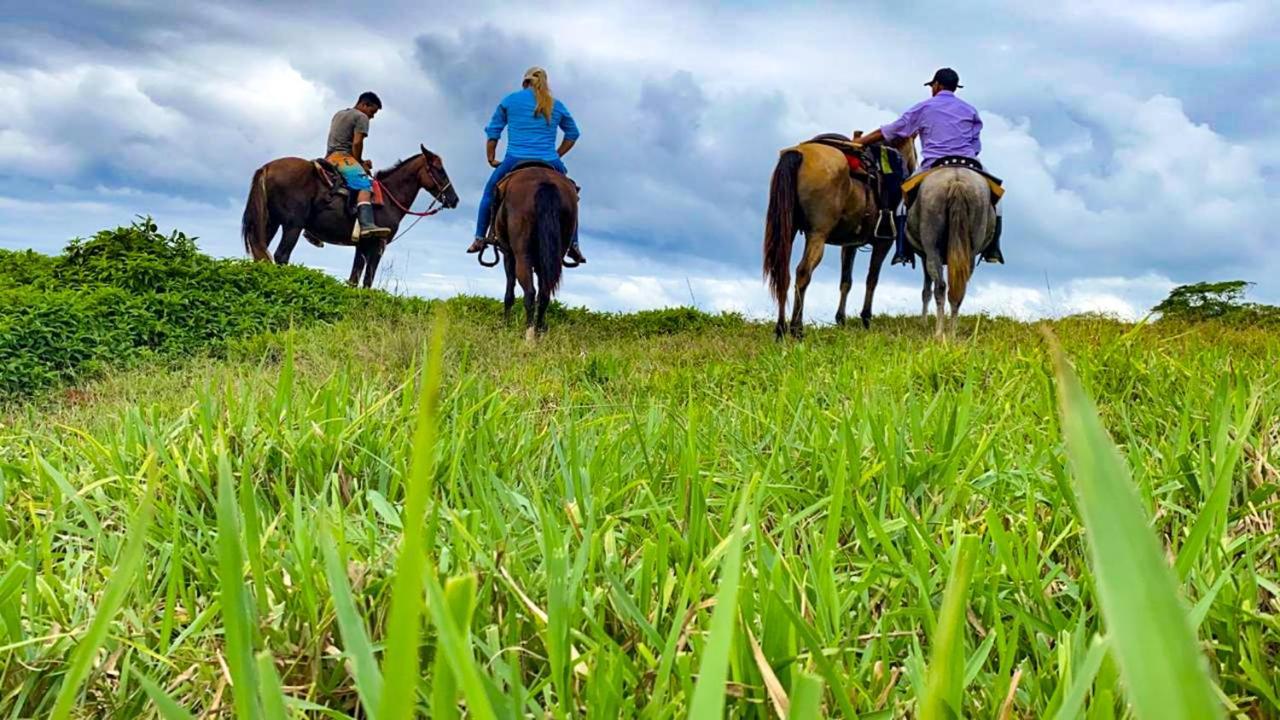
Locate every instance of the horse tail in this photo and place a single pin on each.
(960, 210)
(547, 256)
(253, 224)
(784, 218)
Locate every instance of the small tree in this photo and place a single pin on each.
(1205, 300)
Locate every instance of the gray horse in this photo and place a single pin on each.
(950, 223)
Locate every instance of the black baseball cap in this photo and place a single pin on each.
(947, 78)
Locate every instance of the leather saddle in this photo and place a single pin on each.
(880, 168)
(912, 186)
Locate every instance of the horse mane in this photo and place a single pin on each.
(384, 174)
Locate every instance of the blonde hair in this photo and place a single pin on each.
(537, 80)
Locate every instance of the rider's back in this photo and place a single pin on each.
(530, 136)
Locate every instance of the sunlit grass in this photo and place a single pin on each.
(629, 519)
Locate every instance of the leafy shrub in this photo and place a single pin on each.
(133, 294)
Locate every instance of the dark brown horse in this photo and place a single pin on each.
(289, 193)
(534, 227)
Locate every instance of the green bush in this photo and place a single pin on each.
(133, 294)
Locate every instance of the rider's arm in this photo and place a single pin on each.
(871, 138)
(903, 127)
(357, 147)
(493, 131)
(570, 128)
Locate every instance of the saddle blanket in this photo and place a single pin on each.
(912, 184)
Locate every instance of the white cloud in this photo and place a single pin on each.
(1118, 185)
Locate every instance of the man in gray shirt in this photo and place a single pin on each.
(345, 150)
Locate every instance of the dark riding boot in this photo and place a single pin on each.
(575, 252)
(903, 256)
(476, 246)
(992, 253)
(368, 228)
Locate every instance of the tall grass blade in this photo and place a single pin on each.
(942, 698)
(236, 612)
(713, 671)
(1160, 664)
(166, 706)
(400, 663)
(355, 639)
(122, 580)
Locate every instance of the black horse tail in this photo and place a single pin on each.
(253, 225)
(960, 208)
(784, 218)
(548, 256)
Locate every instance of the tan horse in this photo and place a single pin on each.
(812, 192)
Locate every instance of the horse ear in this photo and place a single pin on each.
(425, 152)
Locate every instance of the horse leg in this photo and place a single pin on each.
(925, 295)
(288, 240)
(509, 264)
(847, 254)
(815, 244)
(933, 264)
(878, 253)
(544, 299)
(524, 275)
(373, 256)
(357, 266)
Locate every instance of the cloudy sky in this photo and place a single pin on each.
(1138, 140)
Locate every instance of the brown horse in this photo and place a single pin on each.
(812, 192)
(289, 193)
(534, 227)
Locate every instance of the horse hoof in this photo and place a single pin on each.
(797, 332)
(779, 331)
(840, 319)
(866, 323)
(530, 336)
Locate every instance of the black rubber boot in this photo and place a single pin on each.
(368, 228)
(992, 253)
(575, 253)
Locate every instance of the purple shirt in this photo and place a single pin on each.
(947, 126)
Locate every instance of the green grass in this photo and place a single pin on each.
(612, 522)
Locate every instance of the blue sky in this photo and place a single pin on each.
(1138, 140)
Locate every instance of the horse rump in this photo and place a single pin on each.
(783, 220)
(547, 254)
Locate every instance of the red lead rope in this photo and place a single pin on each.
(432, 209)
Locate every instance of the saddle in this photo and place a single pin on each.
(338, 193)
(912, 185)
(880, 168)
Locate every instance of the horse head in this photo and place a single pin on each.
(433, 178)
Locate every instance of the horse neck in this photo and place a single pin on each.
(402, 183)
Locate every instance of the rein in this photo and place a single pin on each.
(435, 206)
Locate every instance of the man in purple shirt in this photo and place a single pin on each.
(948, 127)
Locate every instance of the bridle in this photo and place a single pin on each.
(436, 204)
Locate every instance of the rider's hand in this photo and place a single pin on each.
(493, 163)
(368, 165)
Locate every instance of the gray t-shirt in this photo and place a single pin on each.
(343, 129)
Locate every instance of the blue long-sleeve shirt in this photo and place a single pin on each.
(529, 136)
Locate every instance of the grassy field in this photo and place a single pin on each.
(663, 515)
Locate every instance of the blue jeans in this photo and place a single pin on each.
(486, 200)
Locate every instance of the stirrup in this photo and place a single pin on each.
(497, 254)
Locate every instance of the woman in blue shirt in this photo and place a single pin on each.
(531, 116)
